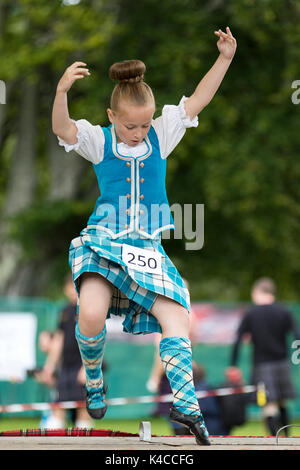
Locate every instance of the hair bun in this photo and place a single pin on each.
(127, 71)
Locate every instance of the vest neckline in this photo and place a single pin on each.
(128, 157)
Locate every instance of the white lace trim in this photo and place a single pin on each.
(186, 120)
(82, 137)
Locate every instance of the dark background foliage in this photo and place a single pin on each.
(241, 162)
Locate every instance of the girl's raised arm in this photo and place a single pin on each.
(62, 125)
(210, 83)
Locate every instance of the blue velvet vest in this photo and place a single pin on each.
(133, 194)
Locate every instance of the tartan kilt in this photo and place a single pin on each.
(276, 377)
(134, 291)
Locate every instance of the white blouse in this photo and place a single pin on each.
(170, 127)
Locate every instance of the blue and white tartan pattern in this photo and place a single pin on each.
(176, 356)
(134, 291)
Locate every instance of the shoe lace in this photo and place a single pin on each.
(200, 420)
(97, 393)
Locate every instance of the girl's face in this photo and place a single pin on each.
(132, 122)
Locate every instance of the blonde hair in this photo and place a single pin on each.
(131, 87)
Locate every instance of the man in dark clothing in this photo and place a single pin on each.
(269, 323)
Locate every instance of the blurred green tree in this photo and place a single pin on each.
(241, 162)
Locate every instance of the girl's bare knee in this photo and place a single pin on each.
(172, 317)
(94, 300)
(91, 313)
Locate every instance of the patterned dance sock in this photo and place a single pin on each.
(92, 351)
(176, 355)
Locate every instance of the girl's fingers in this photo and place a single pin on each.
(229, 32)
(76, 64)
(79, 73)
(224, 35)
(227, 35)
(221, 34)
(81, 70)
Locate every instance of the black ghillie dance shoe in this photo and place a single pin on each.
(95, 405)
(195, 423)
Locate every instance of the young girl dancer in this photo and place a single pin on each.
(118, 263)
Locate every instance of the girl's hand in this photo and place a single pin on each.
(74, 72)
(81, 377)
(226, 43)
(46, 377)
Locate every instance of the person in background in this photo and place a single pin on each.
(233, 406)
(269, 323)
(63, 366)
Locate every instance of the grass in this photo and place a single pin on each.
(159, 426)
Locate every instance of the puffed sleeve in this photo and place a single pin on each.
(170, 127)
(90, 141)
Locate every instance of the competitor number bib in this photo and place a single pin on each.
(146, 261)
